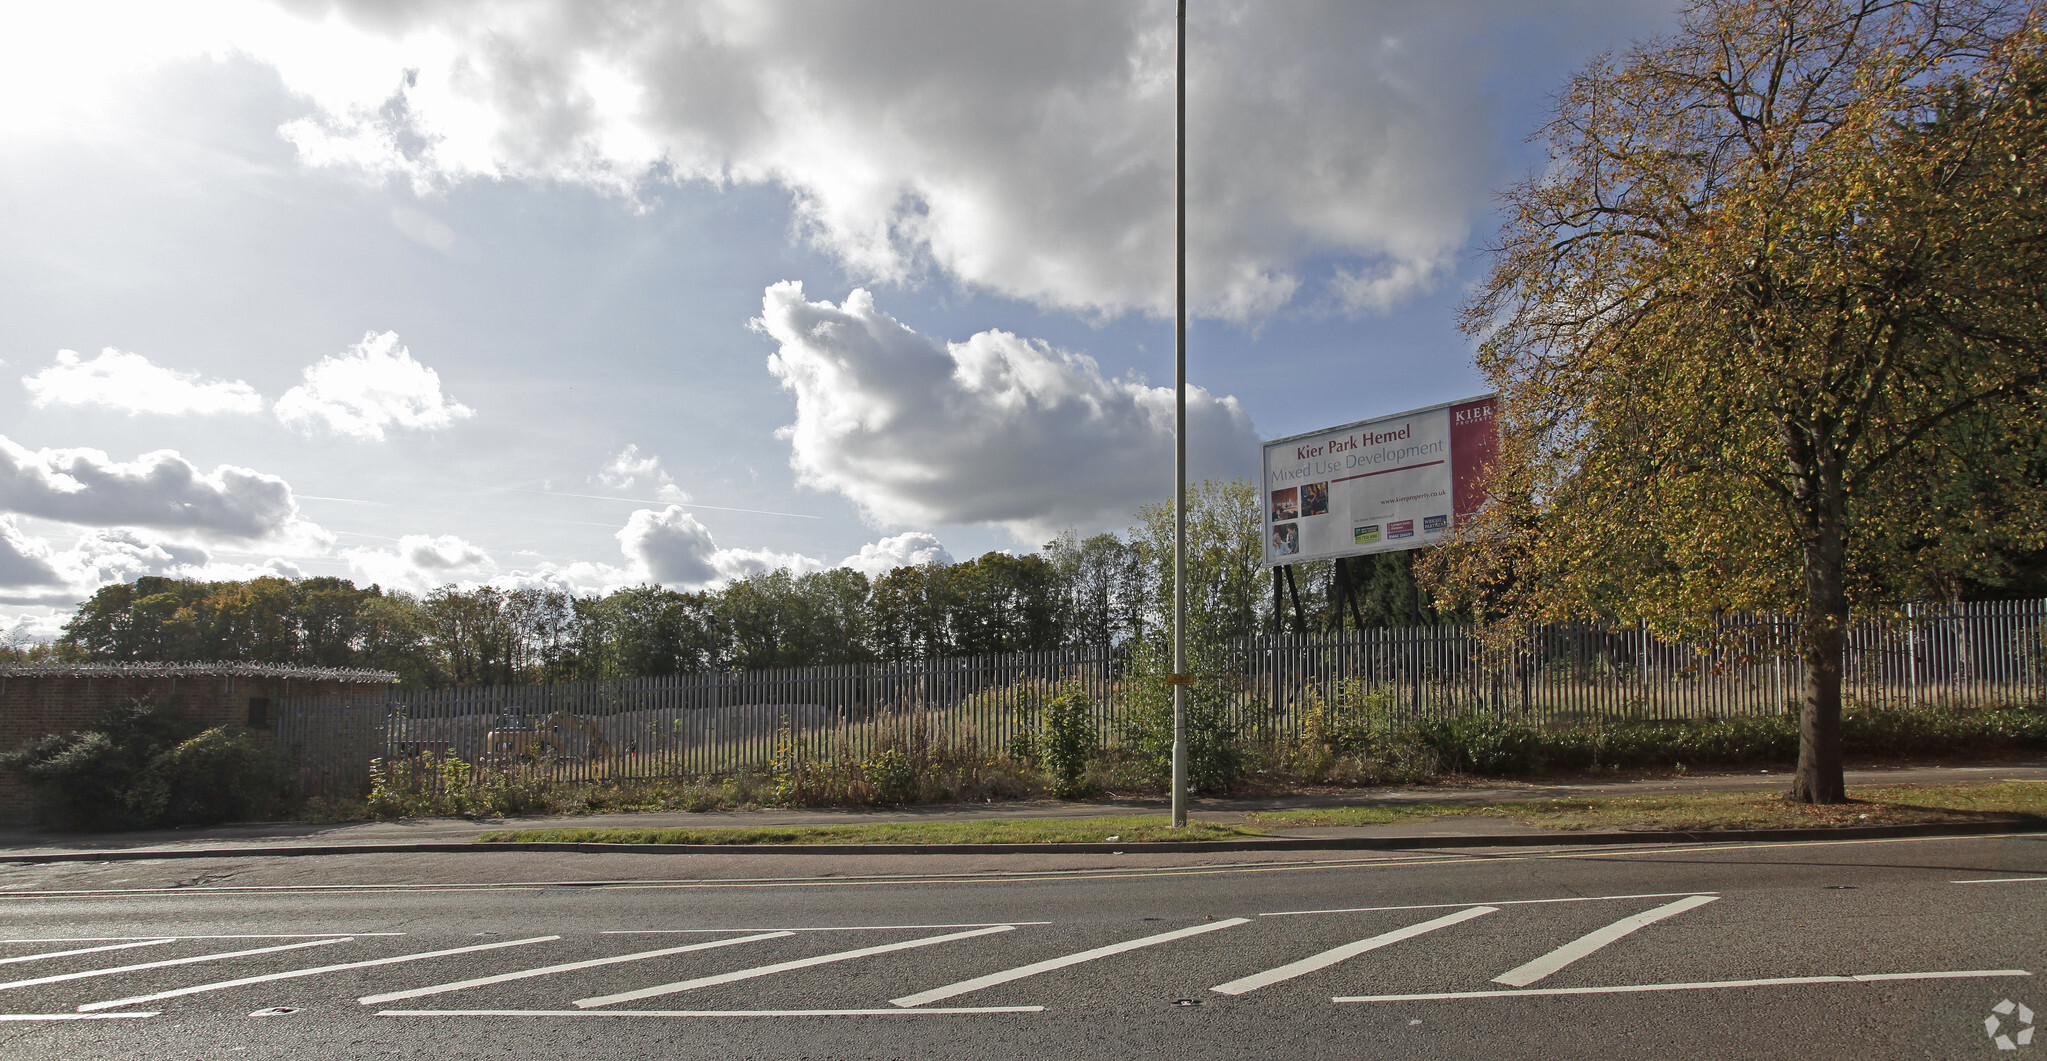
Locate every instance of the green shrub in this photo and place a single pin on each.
(894, 775)
(1214, 762)
(1070, 741)
(220, 775)
(142, 766)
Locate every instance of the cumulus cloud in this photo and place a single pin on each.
(161, 490)
(133, 383)
(996, 429)
(633, 470)
(911, 549)
(672, 548)
(373, 386)
(63, 576)
(24, 561)
(421, 563)
(1022, 148)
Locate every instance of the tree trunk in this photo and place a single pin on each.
(1819, 778)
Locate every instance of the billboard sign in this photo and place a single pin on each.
(1398, 482)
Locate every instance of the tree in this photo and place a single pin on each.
(1776, 293)
(1103, 585)
(1003, 603)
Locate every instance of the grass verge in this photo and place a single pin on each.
(1013, 831)
(1899, 805)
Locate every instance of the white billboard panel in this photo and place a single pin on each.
(1397, 482)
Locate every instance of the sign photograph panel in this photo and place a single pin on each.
(1398, 482)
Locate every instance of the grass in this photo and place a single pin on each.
(1012, 831)
(1900, 805)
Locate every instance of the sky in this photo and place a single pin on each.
(589, 294)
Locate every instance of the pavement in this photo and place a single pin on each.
(20, 844)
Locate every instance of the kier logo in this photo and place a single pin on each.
(1474, 414)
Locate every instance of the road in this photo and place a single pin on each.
(1848, 949)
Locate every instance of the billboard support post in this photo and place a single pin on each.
(1179, 678)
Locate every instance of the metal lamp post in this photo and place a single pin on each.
(1180, 677)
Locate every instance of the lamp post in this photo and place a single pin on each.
(1179, 676)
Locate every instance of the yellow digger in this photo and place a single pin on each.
(550, 740)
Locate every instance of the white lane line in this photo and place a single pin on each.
(169, 962)
(1524, 975)
(779, 967)
(1706, 985)
(817, 928)
(1246, 985)
(315, 971)
(83, 950)
(2003, 880)
(269, 935)
(75, 1016)
(936, 1011)
(549, 970)
(1489, 902)
(1049, 964)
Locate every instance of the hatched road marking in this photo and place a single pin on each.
(315, 971)
(1049, 964)
(548, 970)
(1594, 940)
(85, 950)
(169, 962)
(778, 967)
(1327, 958)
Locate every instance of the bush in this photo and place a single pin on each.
(1070, 742)
(144, 767)
(1214, 762)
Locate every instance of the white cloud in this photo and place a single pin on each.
(161, 490)
(133, 383)
(996, 429)
(910, 549)
(632, 470)
(104, 557)
(1025, 148)
(374, 385)
(420, 563)
(670, 547)
(24, 561)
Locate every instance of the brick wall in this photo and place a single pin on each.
(37, 705)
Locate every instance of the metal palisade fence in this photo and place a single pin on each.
(719, 723)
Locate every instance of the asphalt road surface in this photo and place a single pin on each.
(1841, 949)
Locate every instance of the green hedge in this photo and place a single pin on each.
(143, 766)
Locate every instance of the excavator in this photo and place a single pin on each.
(547, 740)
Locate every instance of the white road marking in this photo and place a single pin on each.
(1489, 902)
(75, 1016)
(1707, 985)
(2003, 880)
(83, 950)
(1578, 948)
(315, 971)
(778, 967)
(940, 1011)
(1246, 985)
(169, 962)
(267, 935)
(818, 928)
(419, 992)
(1049, 964)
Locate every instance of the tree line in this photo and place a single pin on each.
(1107, 590)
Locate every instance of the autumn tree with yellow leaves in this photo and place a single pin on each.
(1770, 330)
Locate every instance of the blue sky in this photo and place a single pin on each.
(375, 291)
